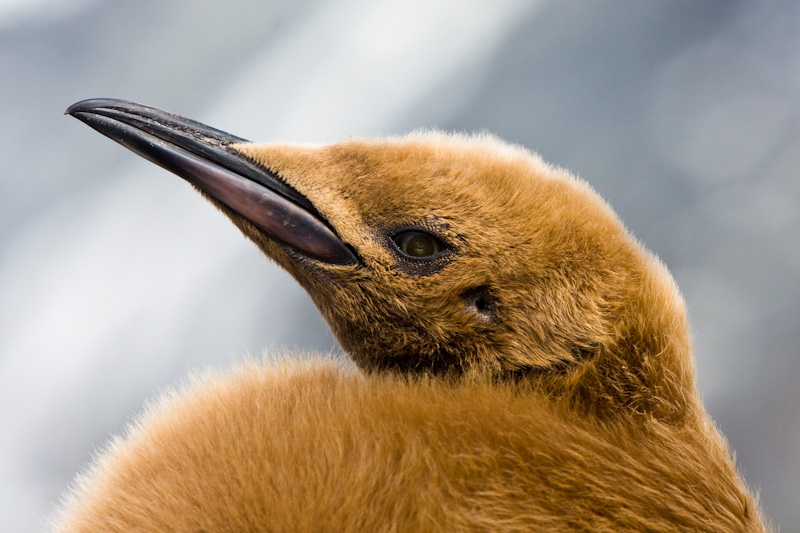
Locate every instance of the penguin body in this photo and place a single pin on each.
(315, 446)
(524, 363)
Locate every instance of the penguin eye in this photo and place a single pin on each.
(419, 244)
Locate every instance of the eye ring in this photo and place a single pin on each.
(419, 245)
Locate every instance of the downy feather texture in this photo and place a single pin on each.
(315, 446)
(537, 376)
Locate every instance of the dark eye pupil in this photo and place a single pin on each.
(418, 244)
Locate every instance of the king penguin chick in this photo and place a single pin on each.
(525, 363)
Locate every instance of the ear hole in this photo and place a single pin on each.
(583, 353)
(480, 302)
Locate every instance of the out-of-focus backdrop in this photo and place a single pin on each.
(117, 279)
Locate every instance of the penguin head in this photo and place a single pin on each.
(471, 252)
(476, 255)
(448, 254)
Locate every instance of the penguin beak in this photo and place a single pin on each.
(203, 156)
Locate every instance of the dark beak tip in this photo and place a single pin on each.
(82, 106)
(92, 104)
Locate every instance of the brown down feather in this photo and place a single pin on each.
(571, 406)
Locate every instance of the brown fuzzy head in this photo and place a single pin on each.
(474, 254)
(445, 254)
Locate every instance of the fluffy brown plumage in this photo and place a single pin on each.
(313, 447)
(535, 373)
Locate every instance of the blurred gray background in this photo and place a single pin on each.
(116, 279)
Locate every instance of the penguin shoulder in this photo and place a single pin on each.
(317, 445)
